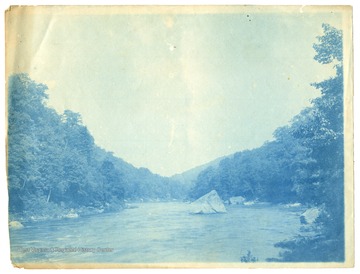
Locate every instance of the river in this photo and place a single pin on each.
(158, 233)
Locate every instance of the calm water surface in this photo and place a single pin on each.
(158, 232)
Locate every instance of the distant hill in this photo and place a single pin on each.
(188, 178)
(141, 183)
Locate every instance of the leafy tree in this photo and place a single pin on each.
(25, 110)
(320, 179)
(54, 164)
(112, 181)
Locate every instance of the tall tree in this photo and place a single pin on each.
(54, 164)
(320, 179)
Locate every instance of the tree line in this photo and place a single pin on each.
(55, 166)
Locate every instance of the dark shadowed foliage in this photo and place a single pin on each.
(54, 165)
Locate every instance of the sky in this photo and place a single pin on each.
(173, 90)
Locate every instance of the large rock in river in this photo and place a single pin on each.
(208, 204)
(15, 225)
(310, 215)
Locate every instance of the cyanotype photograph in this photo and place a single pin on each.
(180, 136)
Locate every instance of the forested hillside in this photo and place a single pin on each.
(305, 163)
(188, 178)
(54, 166)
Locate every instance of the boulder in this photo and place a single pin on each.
(292, 205)
(237, 200)
(208, 204)
(72, 214)
(130, 206)
(15, 225)
(310, 215)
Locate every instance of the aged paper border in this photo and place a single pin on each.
(348, 116)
